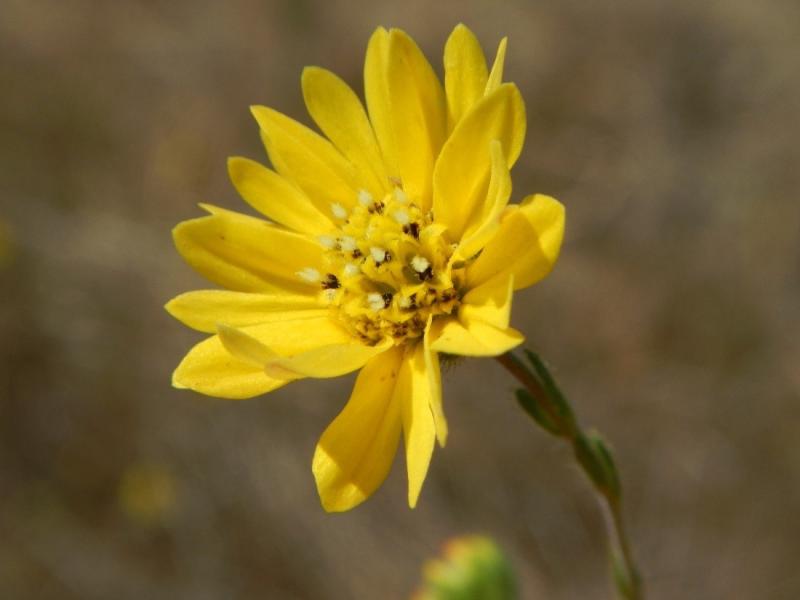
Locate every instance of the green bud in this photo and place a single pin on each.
(470, 568)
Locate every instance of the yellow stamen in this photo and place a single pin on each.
(391, 267)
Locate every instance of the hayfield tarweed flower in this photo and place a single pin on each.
(388, 241)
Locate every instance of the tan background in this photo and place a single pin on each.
(669, 130)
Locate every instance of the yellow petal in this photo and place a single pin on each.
(490, 302)
(341, 117)
(355, 453)
(463, 169)
(414, 393)
(324, 350)
(526, 244)
(210, 369)
(329, 361)
(483, 225)
(308, 159)
(435, 380)
(496, 75)
(465, 73)
(376, 94)
(472, 338)
(407, 108)
(204, 309)
(247, 348)
(276, 197)
(290, 338)
(247, 254)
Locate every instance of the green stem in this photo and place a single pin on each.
(626, 577)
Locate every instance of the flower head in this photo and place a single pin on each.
(389, 240)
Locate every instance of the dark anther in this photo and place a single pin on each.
(331, 282)
(376, 207)
(387, 299)
(357, 253)
(413, 302)
(412, 229)
(426, 275)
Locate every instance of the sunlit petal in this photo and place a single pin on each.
(463, 169)
(414, 393)
(526, 245)
(209, 368)
(342, 118)
(204, 309)
(473, 338)
(247, 254)
(465, 73)
(307, 159)
(276, 197)
(355, 453)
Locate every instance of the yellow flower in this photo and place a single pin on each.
(147, 493)
(389, 242)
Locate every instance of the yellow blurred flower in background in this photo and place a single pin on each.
(390, 240)
(147, 493)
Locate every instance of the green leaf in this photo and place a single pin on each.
(596, 459)
(607, 458)
(543, 375)
(534, 409)
(628, 583)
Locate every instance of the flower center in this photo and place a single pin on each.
(387, 268)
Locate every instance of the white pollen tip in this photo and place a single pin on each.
(375, 301)
(347, 243)
(401, 217)
(420, 263)
(327, 241)
(404, 302)
(400, 196)
(379, 254)
(308, 274)
(351, 269)
(338, 211)
(364, 197)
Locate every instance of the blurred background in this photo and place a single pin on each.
(668, 129)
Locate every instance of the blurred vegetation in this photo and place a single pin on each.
(669, 130)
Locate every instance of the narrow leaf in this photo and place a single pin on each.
(534, 409)
(548, 383)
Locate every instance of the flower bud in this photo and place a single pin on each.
(470, 568)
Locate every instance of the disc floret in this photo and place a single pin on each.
(387, 268)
